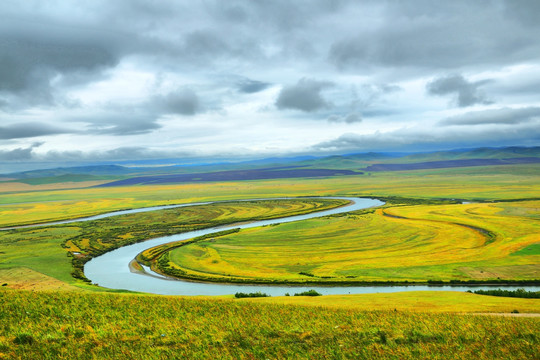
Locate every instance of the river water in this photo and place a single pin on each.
(111, 270)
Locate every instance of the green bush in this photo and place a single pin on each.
(239, 295)
(308, 293)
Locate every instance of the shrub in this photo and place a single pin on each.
(308, 293)
(239, 295)
(23, 339)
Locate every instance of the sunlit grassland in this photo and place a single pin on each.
(27, 279)
(498, 182)
(420, 243)
(41, 325)
(417, 301)
(45, 249)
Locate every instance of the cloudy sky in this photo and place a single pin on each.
(136, 79)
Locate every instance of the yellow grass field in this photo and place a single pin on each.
(34, 204)
(403, 243)
(417, 301)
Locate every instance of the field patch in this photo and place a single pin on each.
(27, 279)
(233, 175)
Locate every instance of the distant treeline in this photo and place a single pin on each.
(519, 293)
(484, 282)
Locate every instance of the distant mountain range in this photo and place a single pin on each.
(300, 166)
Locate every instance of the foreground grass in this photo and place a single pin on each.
(482, 242)
(42, 325)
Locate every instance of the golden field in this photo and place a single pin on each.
(486, 183)
(479, 241)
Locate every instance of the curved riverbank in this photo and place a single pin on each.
(111, 270)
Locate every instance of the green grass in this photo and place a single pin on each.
(487, 183)
(533, 249)
(46, 249)
(469, 242)
(415, 301)
(42, 325)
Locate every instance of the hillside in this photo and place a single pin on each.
(278, 168)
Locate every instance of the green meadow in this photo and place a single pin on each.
(419, 243)
(64, 325)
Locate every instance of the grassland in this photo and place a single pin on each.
(55, 325)
(479, 183)
(60, 251)
(415, 301)
(482, 242)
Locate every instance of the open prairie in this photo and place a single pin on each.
(478, 183)
(479, 241)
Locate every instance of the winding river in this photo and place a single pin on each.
(111, 270)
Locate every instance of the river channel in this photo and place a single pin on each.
(111, 270)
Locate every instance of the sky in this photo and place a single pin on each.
(140, 79)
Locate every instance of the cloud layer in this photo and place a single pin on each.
(262, 78)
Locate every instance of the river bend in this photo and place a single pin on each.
(111, 270)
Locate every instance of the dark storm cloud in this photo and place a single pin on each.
(442, 35)
(504, 116)
(182, 102)
(304, 95)
(35, 53)
(467, 93)
(200, 44)
(19, 153)
(28, 130)
(248, 86)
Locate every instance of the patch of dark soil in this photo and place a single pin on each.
(232, 175)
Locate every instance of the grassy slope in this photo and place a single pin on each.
(67, 326)
(423, 242)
